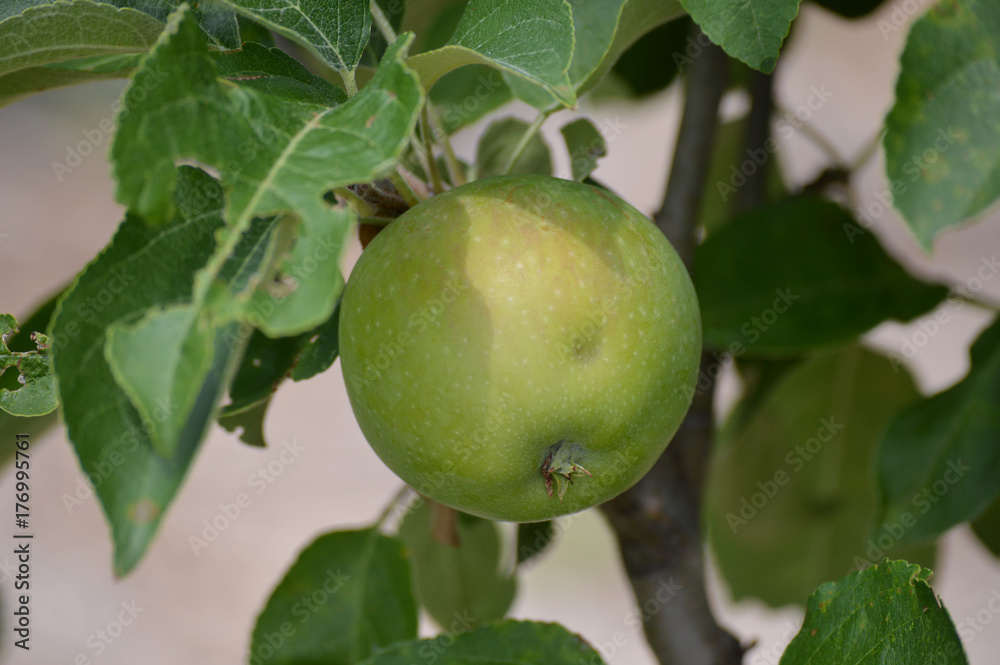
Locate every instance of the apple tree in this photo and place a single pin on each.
(254, 137)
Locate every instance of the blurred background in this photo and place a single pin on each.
(200, 607)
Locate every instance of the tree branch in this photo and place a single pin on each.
(658, 521)
(706, 81)
(758, 130)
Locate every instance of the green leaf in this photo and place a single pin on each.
(348, 594)
(497, 145)
(321, 348)
(532, 39)
(249, 421)
(792, 276)
(395, 11)
(469, 93)
(458, 582)
(101, 64)
(219, 24)
(165, 357)
(77, 26)
(631, 19)
(504, 643)
(533, 538)
(28, 81)
(36, 394)
(266, 364)
(730, 162)
(143, 267)
(252, 31)
(162, 358)
(65, 30)
(273, 155)
(987, 528)
(750, 30)
(939, 462)
(602, 32)
(21, 341)
(665, 45)
(885, 615)
(274, 72)
(335, 30)
(850, 8)
(942, 139)
(759, 376)
(34, 427)
(585, 145)
(791, 496)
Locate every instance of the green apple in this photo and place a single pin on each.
(520, 347)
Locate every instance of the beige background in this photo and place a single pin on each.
(200, 609)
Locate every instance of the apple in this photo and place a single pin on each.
(520, 347)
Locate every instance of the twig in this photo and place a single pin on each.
(432, 167)
(818, 140)
(658, 521)
(399, 500)
(867, 153)
(403, 187)
(526, 137)
(455, 170)
(419, 154)
(361, 207)
(384, 26)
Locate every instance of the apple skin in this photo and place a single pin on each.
(509, 318)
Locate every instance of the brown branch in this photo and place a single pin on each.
(706, 78)
(658, 521)
(758, 130)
